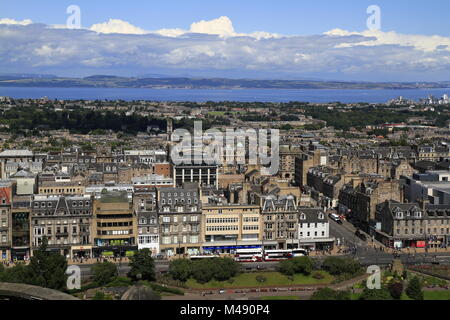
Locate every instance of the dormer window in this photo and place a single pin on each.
(302, 216)
(321, 216)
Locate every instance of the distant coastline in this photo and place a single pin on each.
(218, 95)
(204, 83)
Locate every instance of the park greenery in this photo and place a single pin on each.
(46, 269)
(204, 270)
(299, 265)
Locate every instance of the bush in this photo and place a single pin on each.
(261, 279)
(103, 272)
(337, 266)
(396, 290)
(414, 289)
(220, 269)
(100, 295)
(180, 269)
(300, 265)
(375, 294)
(120, 282)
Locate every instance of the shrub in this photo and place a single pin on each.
(300, 265)
(338, 266)
(120, 282)
(375, 294)
(396, 290)
(261, 279)
(103, 272)
(414, 289)
(180, 269)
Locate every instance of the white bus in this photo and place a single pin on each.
(299, 252)
(249, 255)
(277, 255)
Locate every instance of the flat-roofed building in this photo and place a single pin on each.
(115, 224)
(227, 227)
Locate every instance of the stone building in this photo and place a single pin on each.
(146, 208)
(359, 202)
(280, 222)
(6, 194)
(65, 221)
(227, 227)
(115, 224)
(417, 225)
(179, 218)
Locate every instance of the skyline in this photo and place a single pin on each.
(293, 40)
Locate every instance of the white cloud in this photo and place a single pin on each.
(215, 47)
(16, 22)
(420, 42)
(221, 26)
(117, 26)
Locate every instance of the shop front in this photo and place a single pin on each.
(81, 252)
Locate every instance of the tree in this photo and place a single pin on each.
(180, 269)
(142, 266)
(375, 294)
(396, 289)
(224, 268)
(330, 294)
(338, 266)
(299, 265)
(47, 269)
(414, 289)
(203, 270)
(104, 272)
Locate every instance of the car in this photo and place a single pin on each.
(221, 291)
(335, 218)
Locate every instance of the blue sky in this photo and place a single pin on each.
(320, 39)
(284, 16)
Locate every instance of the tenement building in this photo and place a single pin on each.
(280, 222)
(146, 208)
(65, 221)
(416, 225)
(180, 215)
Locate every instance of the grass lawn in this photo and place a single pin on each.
(273, 279)
(281, 298)
(436, 295)
(428, 295)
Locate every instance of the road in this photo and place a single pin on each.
(360, 250)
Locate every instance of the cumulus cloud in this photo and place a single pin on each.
(117, 26)
(420, 42)
(214, 46)
(222, 27)
(12, 21)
